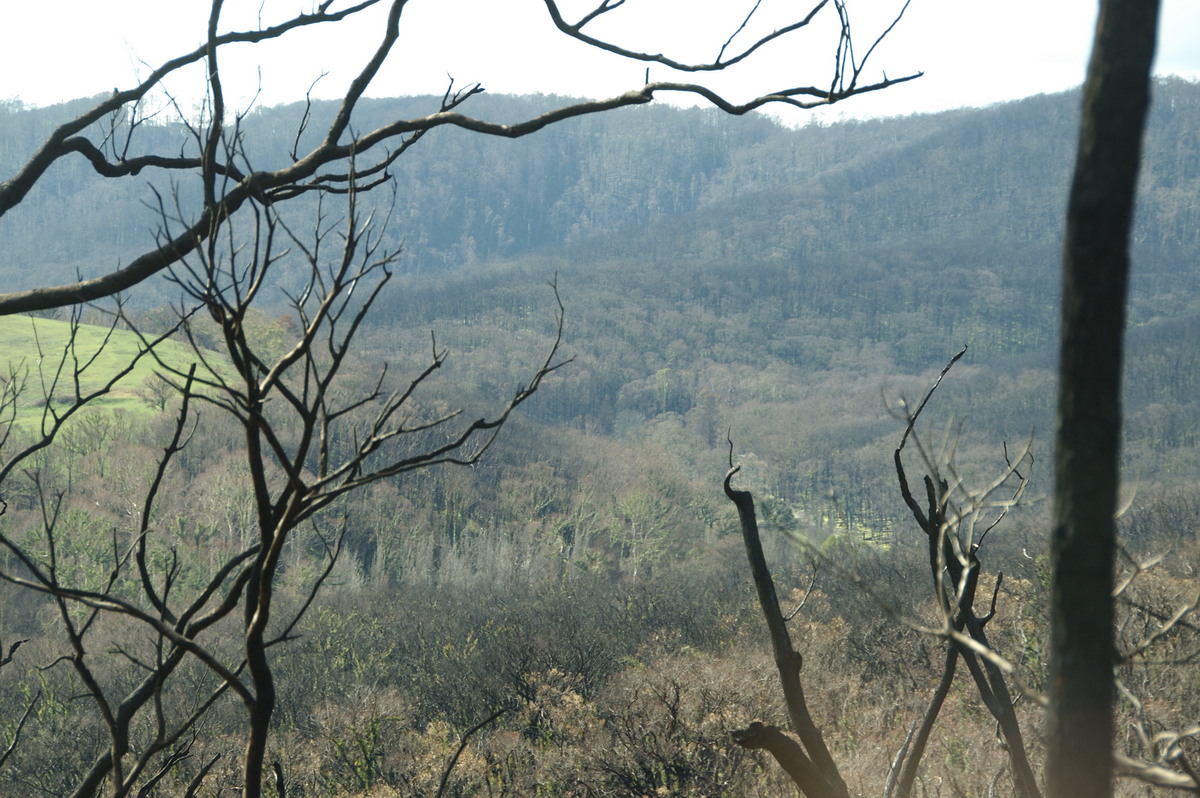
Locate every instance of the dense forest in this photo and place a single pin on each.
(728, 284)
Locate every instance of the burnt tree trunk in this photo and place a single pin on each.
(1087, 445)
(811, 767)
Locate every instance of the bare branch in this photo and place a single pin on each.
(14, 190)
(1154, 774)
(462, 746)
(16, 738)
(1164, 629)
(302, 175)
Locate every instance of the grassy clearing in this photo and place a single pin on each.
(36, 347)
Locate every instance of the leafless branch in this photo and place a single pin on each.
(63, 140)
(306, 172)
(1157, 775)
(462, 746)
(1164, 629)
(16, 738)
(948, 521)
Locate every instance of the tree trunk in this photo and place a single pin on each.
(1087, 447)
(814, 773)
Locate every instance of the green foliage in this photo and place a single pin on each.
(42, 354)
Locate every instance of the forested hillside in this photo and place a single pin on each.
(959, 178)
(725, 280)
(828, 271)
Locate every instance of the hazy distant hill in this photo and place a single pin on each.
(723, 271)
(960, 179)
(825, 267)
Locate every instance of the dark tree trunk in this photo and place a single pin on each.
(812, 767)
(1095, 269)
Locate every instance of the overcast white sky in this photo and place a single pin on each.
(972, 52)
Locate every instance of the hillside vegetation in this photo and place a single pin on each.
(725, 282)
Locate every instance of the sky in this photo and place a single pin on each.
(972, 53)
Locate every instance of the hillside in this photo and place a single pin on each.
(732, 289)
(732, 275)
(53, 359)
(791, 313)
(961, 178)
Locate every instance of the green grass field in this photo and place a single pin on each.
(37, 346)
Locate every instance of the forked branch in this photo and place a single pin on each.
(310, 171)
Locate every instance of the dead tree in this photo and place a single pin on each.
(1157, 752)
(58, 378)
(949, 520)
(1087, 439)
(810, 764)
(307, 443)
(956, 521)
